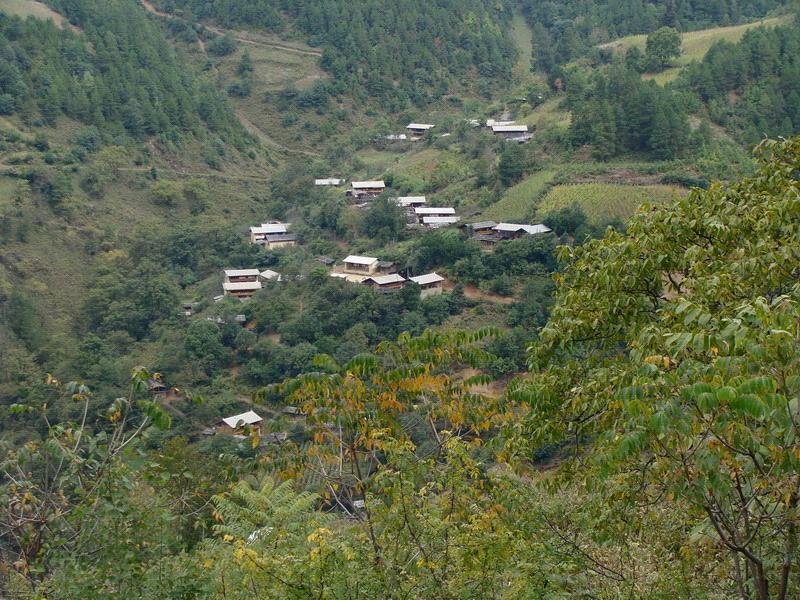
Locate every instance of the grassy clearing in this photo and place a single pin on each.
(695, 43)
(604, 201)
(548, 113)
(523, 38)
(31, 8)
(519, 201)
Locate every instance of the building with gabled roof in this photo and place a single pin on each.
(385, 283)
(436, 222)
(279, 240)
(418, 130)
(510, 231)
(360, 265)
(431, 284)
(411, 201)
(258, 233)
(240, 275)
(236, 424)
(360, 189)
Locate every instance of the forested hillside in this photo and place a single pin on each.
(407, 50)
(373, 299)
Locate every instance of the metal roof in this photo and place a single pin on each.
(510, 128)
(266, 228)
(241, 286)
(482, 225)
(246, 418)
(427, 278)
(328, 181)
(386, 279)
(242, 272)
(424, 126)
(530, 229)
(432, 220)
(356, 185)
(281, 237)
(360, 260)
(434, 210)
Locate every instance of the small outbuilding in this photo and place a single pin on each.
(385, 283)
(237, 424)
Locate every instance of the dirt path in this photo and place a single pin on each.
(473, 293)
(238, 37)
(255, 130)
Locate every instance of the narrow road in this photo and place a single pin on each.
(238, 37)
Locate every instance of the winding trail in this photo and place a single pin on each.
(150, 7)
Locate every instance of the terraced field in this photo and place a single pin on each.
(519, 201)
(603, 201)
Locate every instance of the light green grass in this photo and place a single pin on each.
(695, 43)
(523, 38)
(604, 201)
(519, 201)
(30, 8)
(547, 113)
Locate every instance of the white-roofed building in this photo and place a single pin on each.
(259, 233)
(241, 275)
(243, 290)
(433, 211)
(385, 283)
(411, 201)
(237, 423)
(270, 275)
(418, 130)
(360, 265)
(510, 131)
(494, 123)
(437, 222)
(360, 189)
(431, 284)
(329, 181)
(511, 231)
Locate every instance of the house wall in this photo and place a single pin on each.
(360, 269)
(273, 245)
(433, 289)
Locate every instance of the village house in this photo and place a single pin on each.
(385, 283)
(411, 201)
(279, 240)
(437, 222)
(329, 181)
(259, 233)
(431, 284)
(495, 123)
(418, 130)
(433, 211)
(513, 231)
(387, 267)
(516, 133)
(482, 227)
(241, 283)
(360, 265)
(510, 130)
(326, 260)
(366, 189)
(237, 424)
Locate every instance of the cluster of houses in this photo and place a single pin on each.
(272, 235)
(383, 275)
(433, 217)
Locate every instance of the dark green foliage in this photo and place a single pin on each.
(384, 221)
(753, 87)
(22, 318)
(203, 346)
(222, 45)
(513, 164)
(567, 29)
(617, 112)
(662, 45)
(404, 50)
(119, 75)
